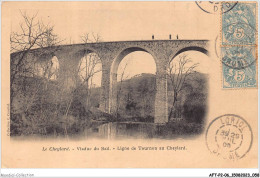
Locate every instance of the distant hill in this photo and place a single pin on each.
(137, 96)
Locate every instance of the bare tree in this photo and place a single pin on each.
(90, 65)
(28, 94)
(33, 33)
(178, 75)
(42, 102)
(91, 38)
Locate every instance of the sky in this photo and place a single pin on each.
(142, 62)
(121, 21)
(124, 21)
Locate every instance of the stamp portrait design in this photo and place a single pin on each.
(239, 25)
(239, 66)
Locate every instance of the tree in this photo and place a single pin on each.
(91, 38)
(178, 74)
(90, 65)
(33, 33)
(29, 85)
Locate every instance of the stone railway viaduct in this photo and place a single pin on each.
(111, 54)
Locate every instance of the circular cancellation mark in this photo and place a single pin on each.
(229, 136)
(212, 7)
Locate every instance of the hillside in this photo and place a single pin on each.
(43, 107)
(137, 96)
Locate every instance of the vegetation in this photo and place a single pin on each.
(49, 107)
(42, 105)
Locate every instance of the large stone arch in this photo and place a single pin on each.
(87, 54)
(189, 48)
(114, 69)
(69, 65)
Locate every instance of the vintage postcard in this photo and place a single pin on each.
(130, 84)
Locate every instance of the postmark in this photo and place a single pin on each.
(239, 67)
(239, 25)
(212, 7)
(229, 136)
(216, 46)
(238, 57)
